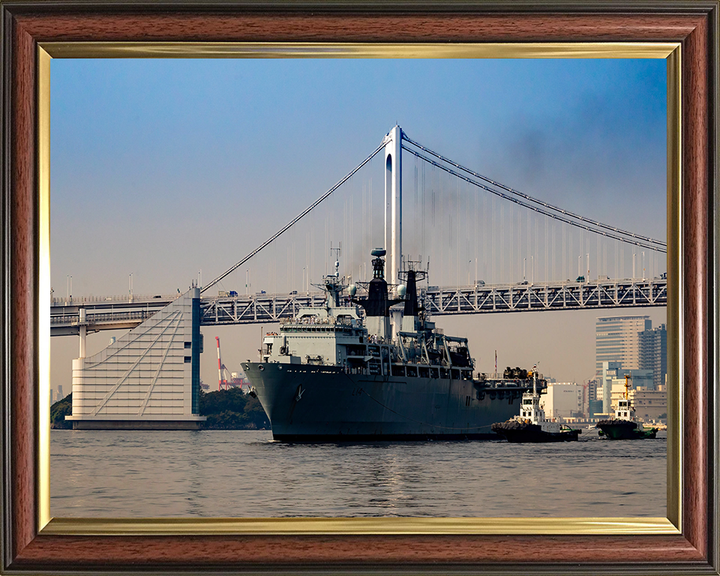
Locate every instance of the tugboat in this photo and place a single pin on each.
(531, 425)
(625, 426)
(340, 373)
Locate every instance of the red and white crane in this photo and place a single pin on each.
(227, 379)
(222, 382)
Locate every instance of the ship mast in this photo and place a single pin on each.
(534, 382)
(627, 386)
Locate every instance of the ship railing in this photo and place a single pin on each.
(506, 383)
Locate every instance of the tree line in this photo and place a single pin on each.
(224, 409)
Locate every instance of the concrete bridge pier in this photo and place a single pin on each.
(147, 379)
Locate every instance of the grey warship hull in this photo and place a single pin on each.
(325, 403)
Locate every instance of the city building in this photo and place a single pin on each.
(650, 404)
(638, 380)
(653, 353)
(617, 340)
(594, 408)
(563, 400)
(147, 379)
(592, 393)
(608, 372)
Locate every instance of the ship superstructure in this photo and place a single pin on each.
(345, 371)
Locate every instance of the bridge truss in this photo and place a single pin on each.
(547, 296)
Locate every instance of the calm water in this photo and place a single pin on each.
(245, 473)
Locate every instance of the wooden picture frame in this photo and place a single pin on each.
(30, 544)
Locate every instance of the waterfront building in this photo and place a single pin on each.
(653, 353)
(563, 400)
(148, 379)
(650, 404)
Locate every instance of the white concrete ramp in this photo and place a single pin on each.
(149, 378)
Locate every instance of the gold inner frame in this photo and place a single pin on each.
(670, 51)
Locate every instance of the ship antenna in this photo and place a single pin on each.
(337, 257)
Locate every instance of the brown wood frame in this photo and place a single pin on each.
(694, 24)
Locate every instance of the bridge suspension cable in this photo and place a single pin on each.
(547, 213)
(294, 220)
(639, 239)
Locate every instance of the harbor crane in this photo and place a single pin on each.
(223, 373)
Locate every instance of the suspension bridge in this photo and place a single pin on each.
(461, 224)
(150, 376)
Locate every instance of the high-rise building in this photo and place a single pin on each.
(653, 353)
(617, 340)
(592, 390)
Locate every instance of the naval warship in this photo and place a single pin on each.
(341, 372)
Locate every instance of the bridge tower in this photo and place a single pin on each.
(393, 202)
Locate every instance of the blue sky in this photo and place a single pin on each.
(166, 167)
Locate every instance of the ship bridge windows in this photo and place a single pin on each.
(355, 350)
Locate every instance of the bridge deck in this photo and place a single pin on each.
(114, 314)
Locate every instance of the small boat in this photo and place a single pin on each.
(625, 425)
(531, 425)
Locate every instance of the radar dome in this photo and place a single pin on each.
(402, 290)
(352, 289)
(378, 252)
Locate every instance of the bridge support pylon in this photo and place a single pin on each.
(393, 202)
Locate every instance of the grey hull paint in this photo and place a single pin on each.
(324, 403)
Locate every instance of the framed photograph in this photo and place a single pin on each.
(683, 35)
